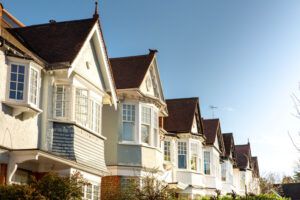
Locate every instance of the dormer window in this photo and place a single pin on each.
(23, 86)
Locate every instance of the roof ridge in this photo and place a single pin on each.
(124, 57)
(49, 23)
(186, 98)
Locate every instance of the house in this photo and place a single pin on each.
(229, 162)
(246, 179)
(55, 79)
(183, 144)
(213, 152)
(133, 131)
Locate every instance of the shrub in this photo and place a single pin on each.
(50, 187)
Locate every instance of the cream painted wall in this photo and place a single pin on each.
(15, 132)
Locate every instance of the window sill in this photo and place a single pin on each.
(78, 125)
(22, 107)
(189, 171)
(138, 144)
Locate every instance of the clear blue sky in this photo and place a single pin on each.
(241, 56)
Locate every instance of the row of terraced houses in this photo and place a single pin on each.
(66, 107)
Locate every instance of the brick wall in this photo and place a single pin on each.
(110, 185)
(3, 171)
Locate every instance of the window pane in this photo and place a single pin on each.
(16, 87)
(81, 107)
(96, 192)
(14, 68)
(61, 101)
(145, 133)
(167, 152)
(207, 162)
(128, 122)
(182, 155)
(89, 191)
(33, 86)
(146, 115)
(128, 131)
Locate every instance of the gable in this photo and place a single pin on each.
(194, 126)
(87, 65)
(151, 84)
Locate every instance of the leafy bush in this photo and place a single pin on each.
(257, 197)
(50, 187)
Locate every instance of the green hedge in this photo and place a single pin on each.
(258, 197)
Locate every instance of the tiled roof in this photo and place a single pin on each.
(243, 155)
(129, 72)
(56, 42)
(181, 115)
(229, 144)
(210, 130)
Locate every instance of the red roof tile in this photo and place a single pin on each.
(129, 72)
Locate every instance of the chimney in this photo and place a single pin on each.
(153, 51)
(52, 21)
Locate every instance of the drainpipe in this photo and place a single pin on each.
(44, 121)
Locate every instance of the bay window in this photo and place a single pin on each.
(87, 112)
(128, 122)
(167, 150)
(23, 86)
(145, 126)
(182, 150)
(206, 162)
(195, 158)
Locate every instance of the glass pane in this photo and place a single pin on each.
(14, 68)
(128, 131)
(181, 161)
(13, 85)
(12, 94)
(13, 77)
(19, 95)
(21, 78)
(20, 86)
(145, 133)
(21, 69)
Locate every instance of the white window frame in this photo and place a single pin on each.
(147, 122)
(129, 119)
(25, 88)
(84, 191)
(195, 153)
(64, 100)
(167, 151)
(182, 150)
(208, 163)
(37, 86)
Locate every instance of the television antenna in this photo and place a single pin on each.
(213, 108)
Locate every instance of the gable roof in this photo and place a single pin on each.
(243, 155)
(229, 145)
(56, 42)
(129, 72)
(181, 115)
(210, 130)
